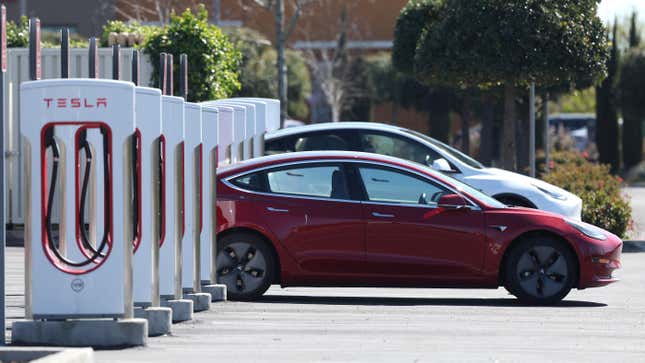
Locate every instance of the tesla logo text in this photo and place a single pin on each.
(76, 102)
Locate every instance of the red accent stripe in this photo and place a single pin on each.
(162, 186)
(43, 195)
(200, 185)
(136, 241)
(182, 185)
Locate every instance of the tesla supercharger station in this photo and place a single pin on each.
(261, 122)
(273, 111)
(238, 127)
(172, 219)
(61, 285)
(249, 125)
(209, 162)
(225, 132)
(145, 260)
(192, 169)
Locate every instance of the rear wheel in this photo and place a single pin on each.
(245, 264)
(540, 271)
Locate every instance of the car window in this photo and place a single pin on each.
(449, 149)
(397, 147)
(253, 182)
(316, 142)
(390, 186)
(326, 181)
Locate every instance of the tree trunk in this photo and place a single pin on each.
(522, 135)
(281, 64)
(508, 151)
(465, 122)
(486, 139)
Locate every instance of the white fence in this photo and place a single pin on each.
(17, 72)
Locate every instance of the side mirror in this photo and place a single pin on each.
(441, 165)
(452, 201)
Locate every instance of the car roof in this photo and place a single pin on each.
(277, 159)
(345, 125)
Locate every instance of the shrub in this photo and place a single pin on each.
(118, 27)
(213, 61)
(603, 204)
(18, 34)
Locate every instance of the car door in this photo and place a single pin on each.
(309, 208)
(409, 239)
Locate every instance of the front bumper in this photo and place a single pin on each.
(599, 263)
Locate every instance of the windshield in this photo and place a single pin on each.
(448, 149)
(488, 200)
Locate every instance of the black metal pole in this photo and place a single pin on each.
(169, 75)
(34, 49)
(183, 76)
(163, 58)
(64, 53)
(93, 59)
(135, 67)
(3, 234)
(116, 62)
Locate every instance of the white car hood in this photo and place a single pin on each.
(509, 178)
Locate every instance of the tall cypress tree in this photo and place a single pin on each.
(634, 35)
(607, 109)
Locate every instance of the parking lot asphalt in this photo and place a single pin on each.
(398, 325)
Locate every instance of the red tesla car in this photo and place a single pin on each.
(354, 219)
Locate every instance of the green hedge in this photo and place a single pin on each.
(603, 204)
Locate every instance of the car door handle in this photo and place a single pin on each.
(382, 215)
(271, 209)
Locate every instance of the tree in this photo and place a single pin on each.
(634, 33)
(482, 43)
(632, 74)
(258, 74)
(607, 109)
(283, 32)
(213, 61)
(415, 17)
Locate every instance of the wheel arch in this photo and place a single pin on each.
(525, 201)
(265, 238)
(537, 233)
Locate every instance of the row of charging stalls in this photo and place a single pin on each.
(132, 172)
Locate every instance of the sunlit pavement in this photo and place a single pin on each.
(399, 325)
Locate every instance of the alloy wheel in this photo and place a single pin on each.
(241, 267)
(542, 271)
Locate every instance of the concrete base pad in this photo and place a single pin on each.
(182, 309)
(159, 319)
(201, 301)
(98, 333)
(218, 292)
(46, 354)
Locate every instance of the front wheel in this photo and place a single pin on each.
(540, 271)
(245, 264)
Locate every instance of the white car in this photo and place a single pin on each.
(507, 187)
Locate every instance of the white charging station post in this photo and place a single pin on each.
(225, 132)
(208, 243)
(250, 124)
(273, 111)
(146, 254)
(172, 200)
(98, 285)
(239, 130)
(261, 122)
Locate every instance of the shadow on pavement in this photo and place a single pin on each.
(412, 301)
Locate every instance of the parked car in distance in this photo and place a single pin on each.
(338, 218)
(581, 127)
(507, 187)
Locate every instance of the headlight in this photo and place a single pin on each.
(588, 229)
(551, 193)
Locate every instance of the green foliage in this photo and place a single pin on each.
(213, 61)
(488, 42)
(18, 34)
(577, 101)
(634, 33)
(602, 202)
(359, 107)
(632, 74)
(607, 109)
(258, 73)
(412, 23)
(117, 26)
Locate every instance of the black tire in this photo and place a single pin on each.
(540, 270)
(246, 265)
(513, 201)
